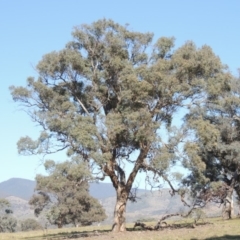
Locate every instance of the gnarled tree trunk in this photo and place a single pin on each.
(122, 188)
(120, 210)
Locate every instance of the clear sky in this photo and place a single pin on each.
(30, 29)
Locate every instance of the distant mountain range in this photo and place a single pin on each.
(24, 188)
(18, 187)
(149, 205)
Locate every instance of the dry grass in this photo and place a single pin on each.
(216, 229)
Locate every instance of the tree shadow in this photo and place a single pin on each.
(225, 237)
(69, 235)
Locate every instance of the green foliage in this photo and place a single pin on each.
(214, 157)
(110, 92)
(30, 225)
(7, 222)
(64, 196)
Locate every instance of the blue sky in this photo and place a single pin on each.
(30, 29)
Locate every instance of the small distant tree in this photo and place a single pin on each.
(64, 194)
(7, 222)
(30, 225)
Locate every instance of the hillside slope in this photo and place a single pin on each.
(150, 205)
(18, 187)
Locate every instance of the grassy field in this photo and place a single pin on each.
(215, 229)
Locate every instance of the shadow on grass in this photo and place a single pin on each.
(224, 237)
(69, 235)
(92, 233)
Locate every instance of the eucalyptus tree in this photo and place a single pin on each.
(107, 95)
(64, 196)
(213, 158)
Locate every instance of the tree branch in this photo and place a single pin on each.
(86, 111)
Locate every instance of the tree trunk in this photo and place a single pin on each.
(120, 210)
(60, 225)
(232, 210)
(228, 210)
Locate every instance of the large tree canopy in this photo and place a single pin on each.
(106, 96)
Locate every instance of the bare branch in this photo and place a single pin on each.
(82, 106)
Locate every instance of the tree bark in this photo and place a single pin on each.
(228, 210)
(120, 210)
(122, 187)
(231, 206)
(60, 225)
